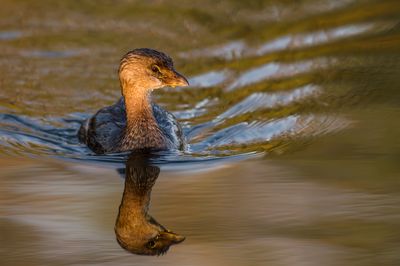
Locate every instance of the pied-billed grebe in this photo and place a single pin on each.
(134, 122)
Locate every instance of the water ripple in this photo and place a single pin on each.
(10, 35)
(209, 79)
(227, 51)
(268, 100)
(318, 37)
(258, 131)
(276, 70)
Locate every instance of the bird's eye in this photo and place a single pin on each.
(155, 69)
(151, 244)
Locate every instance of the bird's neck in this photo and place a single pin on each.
(142, 130)
(138, 107)
(132, 211)
(135, 200)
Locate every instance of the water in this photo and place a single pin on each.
(291, 118)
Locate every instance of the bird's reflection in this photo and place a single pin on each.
(135, 229)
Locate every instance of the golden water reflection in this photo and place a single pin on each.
(135, 229)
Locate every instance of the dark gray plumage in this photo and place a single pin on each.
(102, 132)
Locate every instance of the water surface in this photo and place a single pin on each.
(291, 118)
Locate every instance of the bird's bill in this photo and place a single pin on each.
(171, 237)
(177, 80)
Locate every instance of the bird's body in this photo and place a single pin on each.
(107, 132)
(135, 122)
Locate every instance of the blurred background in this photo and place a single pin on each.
(291, 116)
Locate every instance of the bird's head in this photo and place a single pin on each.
(147, 69)
(149, 238)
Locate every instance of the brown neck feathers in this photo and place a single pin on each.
(141, 130)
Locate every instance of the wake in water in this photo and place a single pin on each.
(231, 134)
